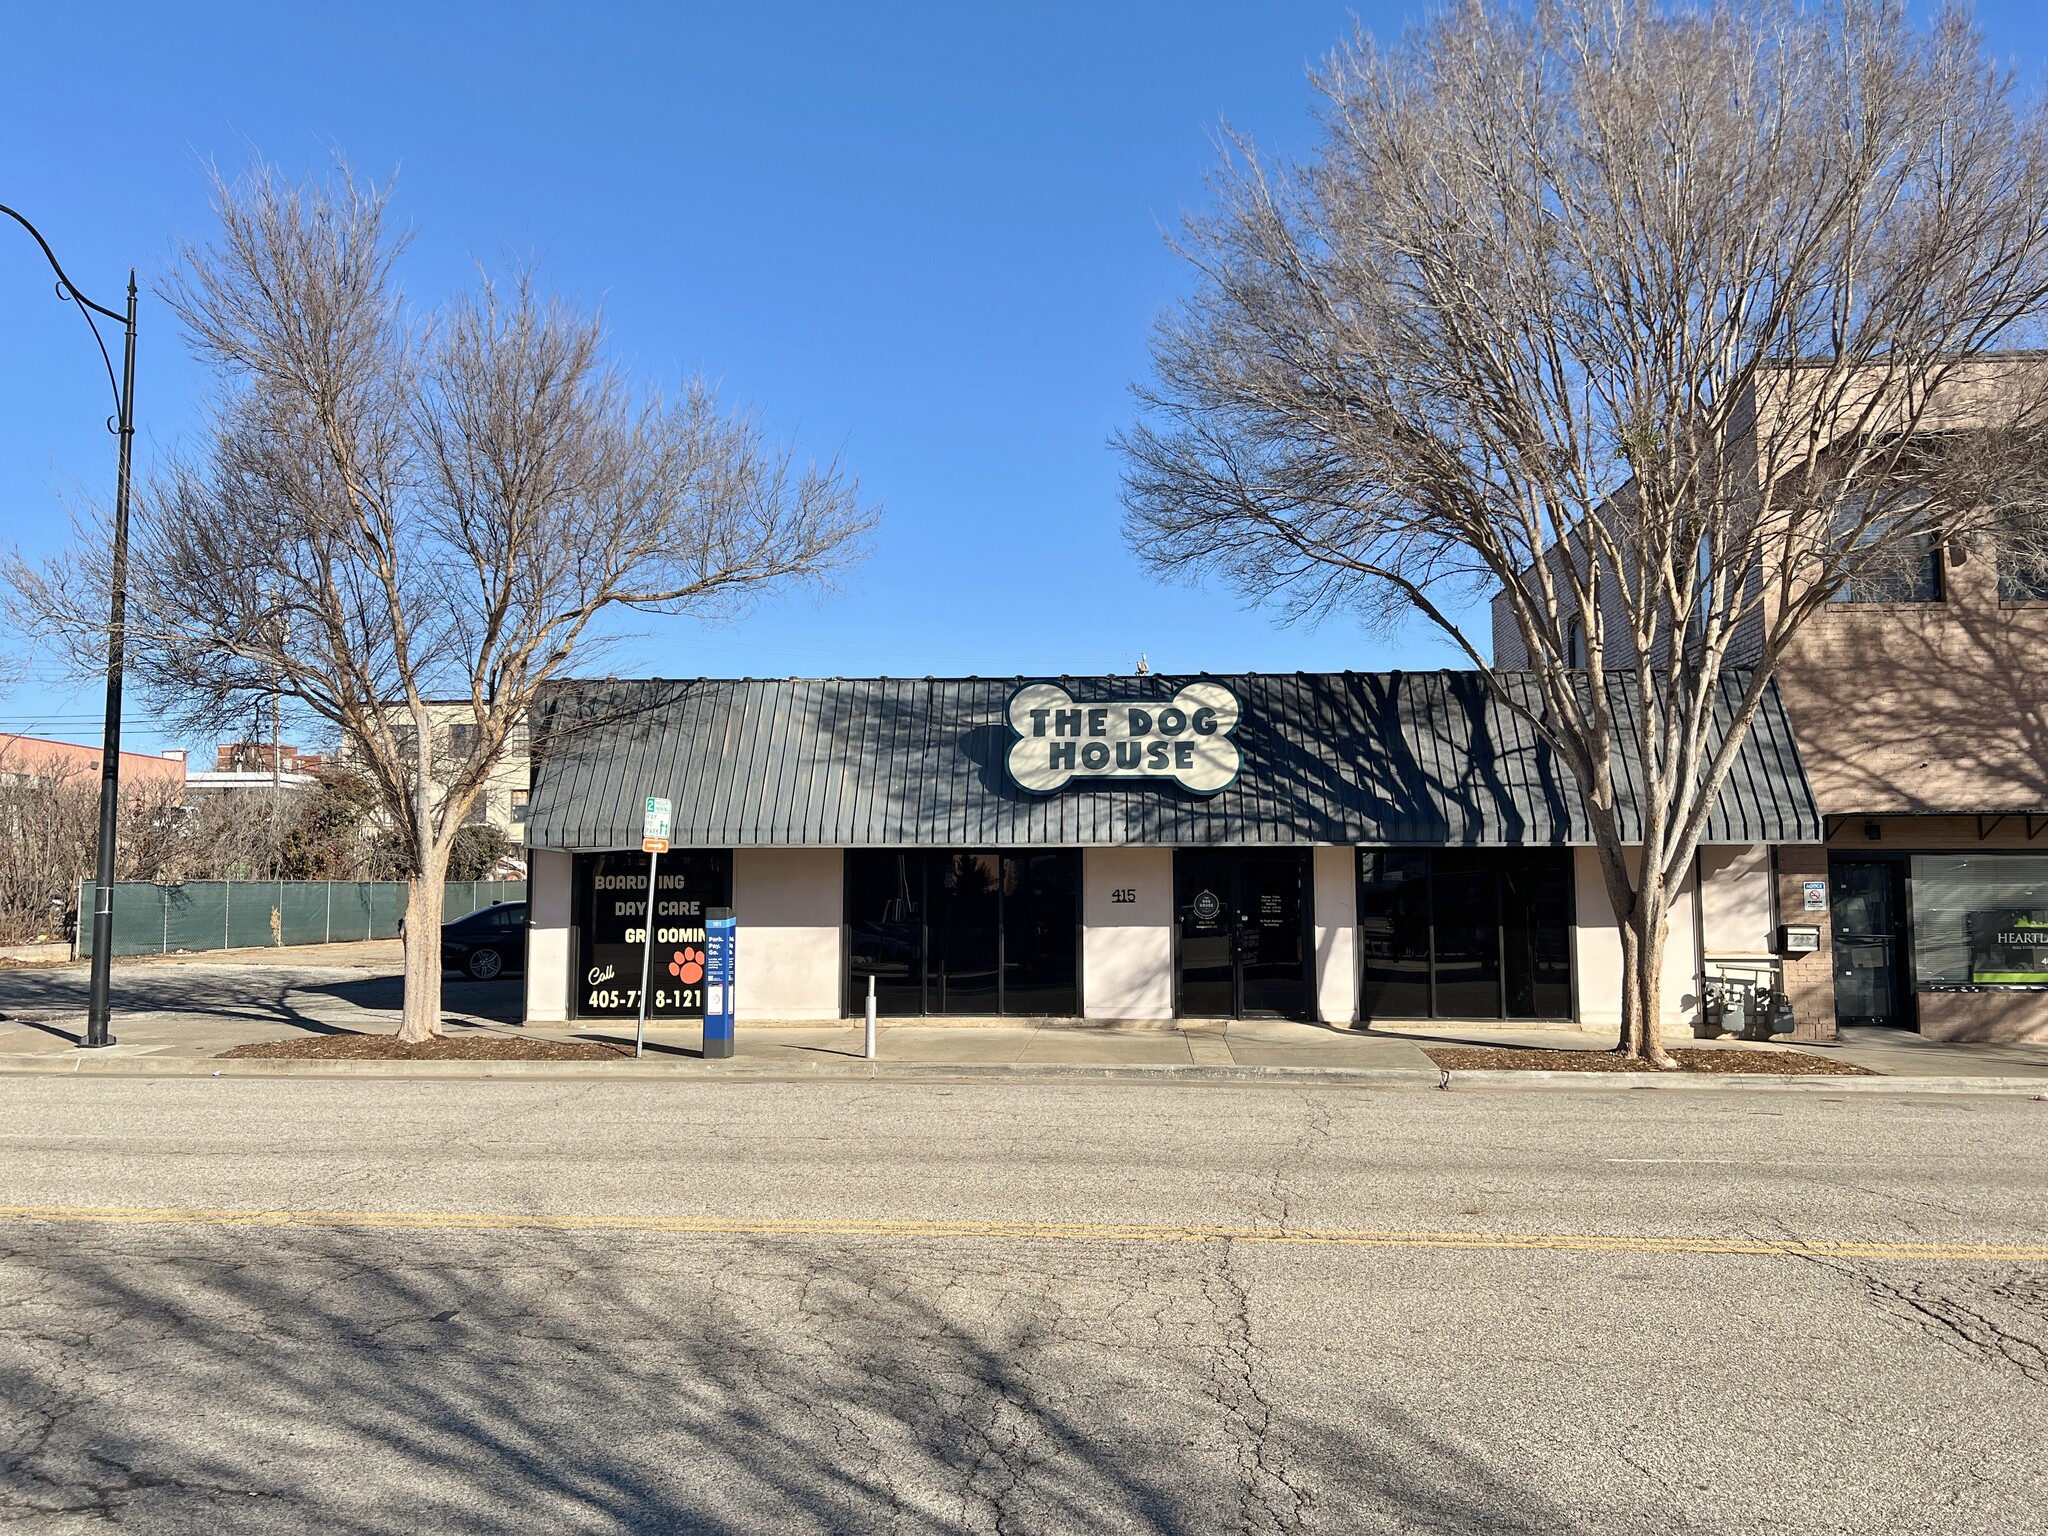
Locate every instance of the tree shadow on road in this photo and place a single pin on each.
(368, 1381)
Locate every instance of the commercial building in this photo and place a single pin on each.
(259, 767)
(35, 759)
(1919, 698)
(1921, 706)
(1338, 847)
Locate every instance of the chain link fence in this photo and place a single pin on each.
(245, 914)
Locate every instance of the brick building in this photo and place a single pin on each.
(1919, 701)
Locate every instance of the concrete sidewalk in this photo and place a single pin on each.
(175, 1016)
(1270, 1050)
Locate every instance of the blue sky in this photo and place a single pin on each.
(925, 236)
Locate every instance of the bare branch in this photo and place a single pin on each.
(1663, 325)
(387, 511)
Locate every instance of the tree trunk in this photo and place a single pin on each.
(1643, 936)
(423, 953)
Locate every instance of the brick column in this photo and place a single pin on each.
(1809, 979)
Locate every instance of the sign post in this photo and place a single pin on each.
(719, 943)
(654, 827)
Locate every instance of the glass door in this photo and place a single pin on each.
(1243, 936)
(1272, 949)
(965, 892)
(1868, 906)
(1465, 911)
(1205, 898)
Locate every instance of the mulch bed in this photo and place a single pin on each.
(1488, 1058)
(447, 1048)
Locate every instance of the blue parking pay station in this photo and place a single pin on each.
(719, 945)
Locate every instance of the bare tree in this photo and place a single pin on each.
(390, 508)
(1661, 323)
(49, 836)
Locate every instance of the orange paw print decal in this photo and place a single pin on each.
(687, 966)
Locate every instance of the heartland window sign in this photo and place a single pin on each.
(1185, 739)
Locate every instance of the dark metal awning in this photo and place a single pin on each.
(1389, 759)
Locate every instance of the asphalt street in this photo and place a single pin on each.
(281, 1305)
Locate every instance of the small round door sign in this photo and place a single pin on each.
(1207, 907)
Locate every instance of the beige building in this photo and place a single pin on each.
(1922, 715)
(502, 803)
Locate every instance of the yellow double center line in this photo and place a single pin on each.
(1027, 1231)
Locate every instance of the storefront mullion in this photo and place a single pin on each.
(1429, 908)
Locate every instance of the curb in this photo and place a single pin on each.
(1684, 1082)
(84, 1064)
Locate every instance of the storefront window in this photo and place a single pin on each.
(1041, 918)
(885, 929)
(1536, 933)
(610, 913)
(1466, 933)
(964, 932)
(1980, 920)
(1393, 931)
(1465, 910)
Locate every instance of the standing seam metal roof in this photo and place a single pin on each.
(1377, 759)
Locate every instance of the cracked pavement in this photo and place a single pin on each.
(169, 1377)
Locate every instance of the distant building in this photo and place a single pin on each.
(502, 801)
(34, 759)
(243, 766)
(239, 781)
(262, 757)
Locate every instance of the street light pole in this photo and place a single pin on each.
(99, 1006)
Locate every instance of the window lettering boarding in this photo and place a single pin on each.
(614, 922)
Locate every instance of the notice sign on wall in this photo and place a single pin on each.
(1185, 738)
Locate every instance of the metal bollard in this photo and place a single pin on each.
(871, 1018)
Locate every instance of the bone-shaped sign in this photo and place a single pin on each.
(1185, 738)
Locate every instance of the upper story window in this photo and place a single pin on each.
(2023, 557)
(1905, 570)
(1575, 643)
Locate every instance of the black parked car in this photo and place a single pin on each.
(486, 944)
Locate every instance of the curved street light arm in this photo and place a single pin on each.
(66, 289)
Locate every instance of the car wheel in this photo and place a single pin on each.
(484, 964)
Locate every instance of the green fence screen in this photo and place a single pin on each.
(243, 914)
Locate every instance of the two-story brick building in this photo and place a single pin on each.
(1921, 709)
(1919, 701)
